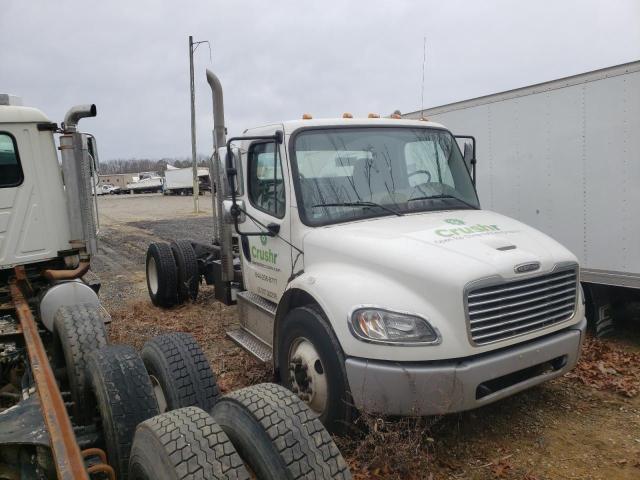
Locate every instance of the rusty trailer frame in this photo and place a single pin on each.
(69, 459)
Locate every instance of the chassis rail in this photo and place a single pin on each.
(68, 458)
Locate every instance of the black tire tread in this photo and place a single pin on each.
(167, 294)
(295, 431)
(190, 375)
(196, 446)
(125, 398)
(187, 268)
(80, 330)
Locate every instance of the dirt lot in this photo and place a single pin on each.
(583, 426)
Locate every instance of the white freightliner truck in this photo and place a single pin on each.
(72, 406)
(367, 274)
(562, 156)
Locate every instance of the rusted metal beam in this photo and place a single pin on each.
(66, 452)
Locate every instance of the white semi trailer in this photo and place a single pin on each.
(564, 157)
(179, 181)
(367, 274)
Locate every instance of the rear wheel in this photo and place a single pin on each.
(311, 364)
(124, 396)
(180, 373)
(183, 444)
(162, 275)
(79, 330)
(278, 435)
(187, 269)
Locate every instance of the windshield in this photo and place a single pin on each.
(346, 174)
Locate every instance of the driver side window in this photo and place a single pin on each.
(265, 182)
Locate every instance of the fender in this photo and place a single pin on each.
(356, 286)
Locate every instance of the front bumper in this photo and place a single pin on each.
(434, 388)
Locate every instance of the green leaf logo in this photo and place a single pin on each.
(263, 240)
(454, 221)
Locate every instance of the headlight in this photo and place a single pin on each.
(382, 326)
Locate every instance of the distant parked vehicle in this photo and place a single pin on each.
(179, 181)
(145, 185)
(107, 189)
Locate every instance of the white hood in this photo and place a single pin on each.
(467, 243)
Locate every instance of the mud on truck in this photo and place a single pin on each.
(71, 405)
(367, 274)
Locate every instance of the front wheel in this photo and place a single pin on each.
(311, 364)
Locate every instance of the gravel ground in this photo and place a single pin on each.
(582, 426)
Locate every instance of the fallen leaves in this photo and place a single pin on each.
(605, 366)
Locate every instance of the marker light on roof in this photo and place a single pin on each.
(347, 115)
(306, 116)
(396, 116)
(373, 115)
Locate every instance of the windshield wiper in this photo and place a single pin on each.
(359, 204)
(431, 197)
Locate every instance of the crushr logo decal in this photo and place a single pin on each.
(264, 254)
(462, 231)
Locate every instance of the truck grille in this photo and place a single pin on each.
(499, 312)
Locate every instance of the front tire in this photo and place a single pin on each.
(311, 364)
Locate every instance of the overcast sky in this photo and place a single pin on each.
(280, 59)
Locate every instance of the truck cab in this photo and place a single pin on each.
(367, 273)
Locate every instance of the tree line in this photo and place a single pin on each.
(137, 165)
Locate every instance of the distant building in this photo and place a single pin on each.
(117, 179)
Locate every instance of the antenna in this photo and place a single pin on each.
(424, 63)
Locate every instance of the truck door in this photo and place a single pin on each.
(266, 259)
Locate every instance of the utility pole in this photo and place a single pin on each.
(196, 182)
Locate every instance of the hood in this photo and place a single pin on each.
(460, 246)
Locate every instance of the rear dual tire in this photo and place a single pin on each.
(162, 275)
(124, 397)
(277, 435)
(179, 372)
(172, 273)
(184, 444)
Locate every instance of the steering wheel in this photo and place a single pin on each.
(424, 172)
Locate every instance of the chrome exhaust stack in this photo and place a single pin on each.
(221, 229)
(77, 171)
(74, 115)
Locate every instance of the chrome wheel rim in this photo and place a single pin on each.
(307, 375)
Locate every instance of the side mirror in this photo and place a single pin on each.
(469, 154)
(231, 211)
(92, 148)
(232, 165)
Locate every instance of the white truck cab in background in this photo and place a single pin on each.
(366, 272)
